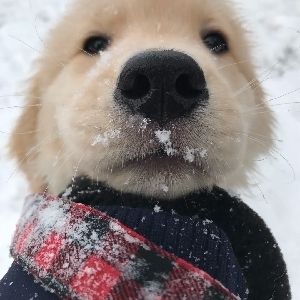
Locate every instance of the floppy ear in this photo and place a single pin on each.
(261, 119)
(24, 144)
(261, 129)
(23, 139)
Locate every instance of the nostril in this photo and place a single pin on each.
(186, 88)
(161, 85)
(136, 88)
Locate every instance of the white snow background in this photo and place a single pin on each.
(275, 193)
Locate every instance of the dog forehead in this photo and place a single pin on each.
(146, 11)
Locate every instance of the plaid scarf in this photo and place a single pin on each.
(80, 253)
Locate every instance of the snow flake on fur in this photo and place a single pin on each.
(79, 253)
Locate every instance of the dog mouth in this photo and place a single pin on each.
(161, 153)
(163, 161)
(159, 173)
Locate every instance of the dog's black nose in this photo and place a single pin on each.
(161, 85)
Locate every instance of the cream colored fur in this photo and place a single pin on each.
(71, 124)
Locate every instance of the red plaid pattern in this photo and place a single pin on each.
(80, 253)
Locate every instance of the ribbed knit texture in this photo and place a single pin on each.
(252, 241)
(192, 239)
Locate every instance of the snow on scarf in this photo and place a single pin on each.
(78, 252)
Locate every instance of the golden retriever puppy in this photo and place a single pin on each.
(158, 98)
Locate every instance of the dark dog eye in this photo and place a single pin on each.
(216, 43)
(95, 44)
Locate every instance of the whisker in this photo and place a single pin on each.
(219, 163)
(268, 111)
(281, 73)
(272, 105)
(233, 64)
(281, 96)
(257, 185)
(272, 149)
(57, 60)
(45, 143)
(36, 51)
(49, 138)
(256, 81)
(41, 105)
(20, 163)
(18, 106)
(56, 157)
(36, 31)
(77, 167)
(27, 132)
(91, 55)
(59, 169)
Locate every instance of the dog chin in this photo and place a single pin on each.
(158, 177)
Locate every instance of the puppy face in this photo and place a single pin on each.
(151, 97)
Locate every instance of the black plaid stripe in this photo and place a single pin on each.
(116, 250)
(150, 267)
(126, 289)
(89, 232)
(62, 269)
(212, 294)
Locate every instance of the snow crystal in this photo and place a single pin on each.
(164, 138)
(233, 193)
(203, 153)
(119, 230)
(144, 124)
(116, 227)
(80, 234)
(104, 139)
(157, 208)
(103, 62)
(213, 236)
(67, 192)
(205, 222)
(164, 188)
(189, 154)
(53, 216)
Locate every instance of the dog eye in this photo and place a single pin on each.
(216, 43)
(95, 44)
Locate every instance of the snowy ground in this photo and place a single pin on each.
(275, 194)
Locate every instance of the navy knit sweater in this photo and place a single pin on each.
(215, 232)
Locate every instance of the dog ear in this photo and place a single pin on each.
(27, 136)
(260, 134)
(23, 140)
(24, 143)
(261, 129)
